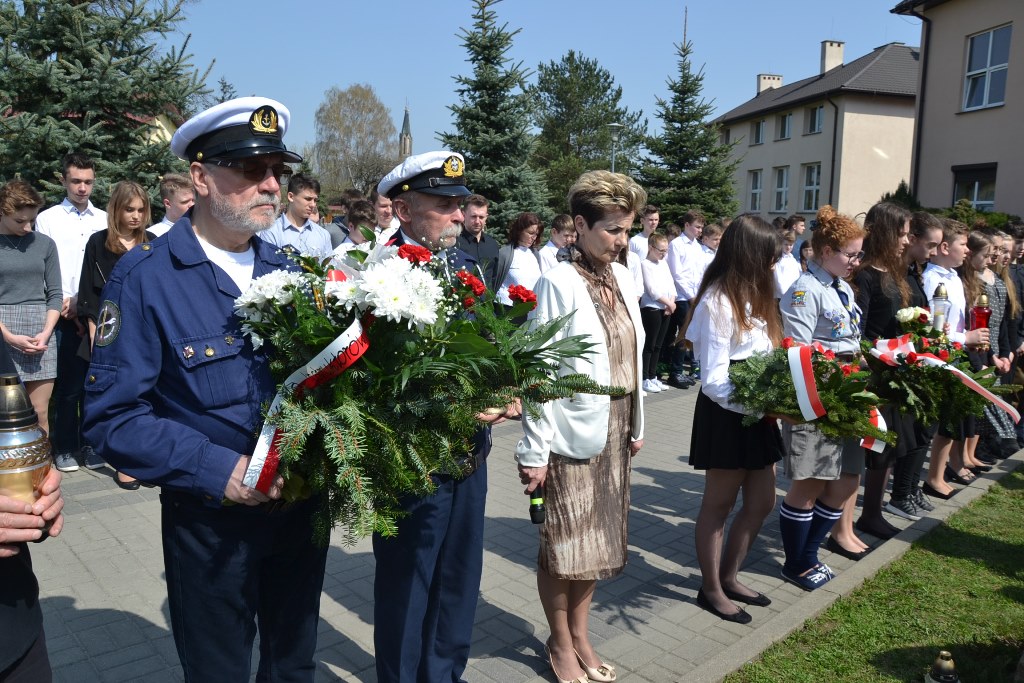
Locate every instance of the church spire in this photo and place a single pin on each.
(405, 138)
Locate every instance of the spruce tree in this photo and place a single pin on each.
(87, 76)
(688, 168)
(492, 122)
(576, 100)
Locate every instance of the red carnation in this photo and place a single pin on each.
(958, 346)
(518, 293)
(925, 341)
(787, 342)
(847, 369)
(471, 281)
(415, 253)
(943, 354)
(830, 354)
(912, 357)
(468, 302)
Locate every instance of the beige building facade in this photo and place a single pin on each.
(969, 139)
(843, 137)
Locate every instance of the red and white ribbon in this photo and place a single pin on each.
(870, 442)
(886, 350)
(802, 372)
(337, 357)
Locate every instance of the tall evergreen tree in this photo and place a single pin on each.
(492, 122)
(88, 76)
(575, 100)
(687, 167)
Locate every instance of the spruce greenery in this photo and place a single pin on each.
(492, 125)
(88, 77)
(688, 168)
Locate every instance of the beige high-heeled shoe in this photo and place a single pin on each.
(602, 674)
(580, 679)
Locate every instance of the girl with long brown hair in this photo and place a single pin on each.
(128, 214)
(734, 315)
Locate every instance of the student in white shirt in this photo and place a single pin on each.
(70, 224)
(734, 316)
(951, 254)
(178, 196)
(788, 269)
(657, 305)
(684, 260)
(517, 264)
(648, 224)
(563, 233)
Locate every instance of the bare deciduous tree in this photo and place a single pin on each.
(356, 140)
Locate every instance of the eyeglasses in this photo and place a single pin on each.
(254, 170)
(659, 250)
(855, 256)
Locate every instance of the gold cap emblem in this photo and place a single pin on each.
(452, 167)
(264, 121)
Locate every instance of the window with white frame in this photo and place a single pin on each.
(755, 190)
(780, 198)
(814, 118)
(988, 55)
(977, 184)
(757, 132)
(812, 186)
(784, 126)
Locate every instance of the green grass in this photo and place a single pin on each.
(959, 588)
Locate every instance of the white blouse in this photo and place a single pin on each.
(524, 271)
(713, 332)
(658, 284)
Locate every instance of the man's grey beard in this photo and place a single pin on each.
(239, 219)
(446, 240)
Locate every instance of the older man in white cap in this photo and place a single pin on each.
(428, 575)
(174, 397)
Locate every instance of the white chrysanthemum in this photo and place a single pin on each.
(345, 292)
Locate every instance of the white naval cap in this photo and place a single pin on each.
(441, 172)
(236, 129)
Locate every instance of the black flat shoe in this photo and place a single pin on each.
(740, 617)
(132, 485)
(955, 477)
(929, 491)
(883, 533)
(979, 470)
(759, 600)
(832, 545)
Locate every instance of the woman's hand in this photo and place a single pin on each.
(1002, 365)
(25, 344)
(978, 337)
(533, 476)
(493, 416)
(635, 446)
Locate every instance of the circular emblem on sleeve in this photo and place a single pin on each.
(108, 324)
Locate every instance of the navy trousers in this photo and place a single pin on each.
(233, 568)
(427, 583)
(66, 421)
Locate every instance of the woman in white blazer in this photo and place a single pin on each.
(580, 448)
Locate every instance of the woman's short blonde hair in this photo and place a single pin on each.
(597, 193)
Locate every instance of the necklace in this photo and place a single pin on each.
(11, 242)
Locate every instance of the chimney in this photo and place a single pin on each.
(767, 82)
(831, 54)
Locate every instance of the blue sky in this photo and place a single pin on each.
(409, 50)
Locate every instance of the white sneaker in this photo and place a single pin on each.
(661, 385)
(650, 387)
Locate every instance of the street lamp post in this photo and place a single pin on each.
(616, 129)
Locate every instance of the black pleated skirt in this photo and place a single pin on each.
(720, 441)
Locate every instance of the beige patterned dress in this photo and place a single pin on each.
(587, 501)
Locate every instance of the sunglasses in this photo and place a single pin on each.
(256, 171)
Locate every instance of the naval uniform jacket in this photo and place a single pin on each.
(175, 391)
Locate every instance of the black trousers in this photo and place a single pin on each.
(656, 325)
(232, 569)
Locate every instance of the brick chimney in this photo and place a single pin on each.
(767, 82)
(831, 54)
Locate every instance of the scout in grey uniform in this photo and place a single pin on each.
(820, 307)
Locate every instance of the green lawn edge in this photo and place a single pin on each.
(960, 587)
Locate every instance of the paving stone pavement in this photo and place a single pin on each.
(105, 605)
